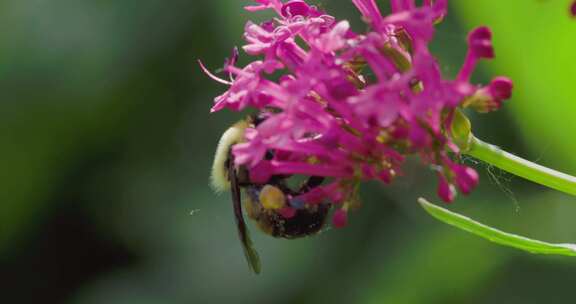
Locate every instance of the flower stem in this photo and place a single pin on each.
(518, 166)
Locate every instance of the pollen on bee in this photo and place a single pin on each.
(272, 198)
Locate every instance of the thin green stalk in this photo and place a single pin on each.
(518, 166)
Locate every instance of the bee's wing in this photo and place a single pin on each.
(249, 251)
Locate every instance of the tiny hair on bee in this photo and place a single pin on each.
(219, 178)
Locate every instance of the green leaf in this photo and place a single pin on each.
(495, 235)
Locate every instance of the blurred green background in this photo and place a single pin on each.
(106, 143)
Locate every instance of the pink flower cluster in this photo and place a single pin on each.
(350, 106)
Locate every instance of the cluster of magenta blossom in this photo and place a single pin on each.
(350, 107)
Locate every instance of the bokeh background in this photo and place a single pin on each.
(106, 143)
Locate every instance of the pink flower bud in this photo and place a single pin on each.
(479, 46)
(445, 190)
(491, 98)
(501, 88)
(466, 178)
(480, 42)
(340, 218)
(295, 8)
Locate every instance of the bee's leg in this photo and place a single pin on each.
(249, 251)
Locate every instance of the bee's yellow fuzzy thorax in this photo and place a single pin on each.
(219, 178)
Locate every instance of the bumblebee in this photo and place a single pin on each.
(271, 204)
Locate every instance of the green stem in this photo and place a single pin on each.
(521, 167)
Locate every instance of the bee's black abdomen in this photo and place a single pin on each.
(305, 222)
